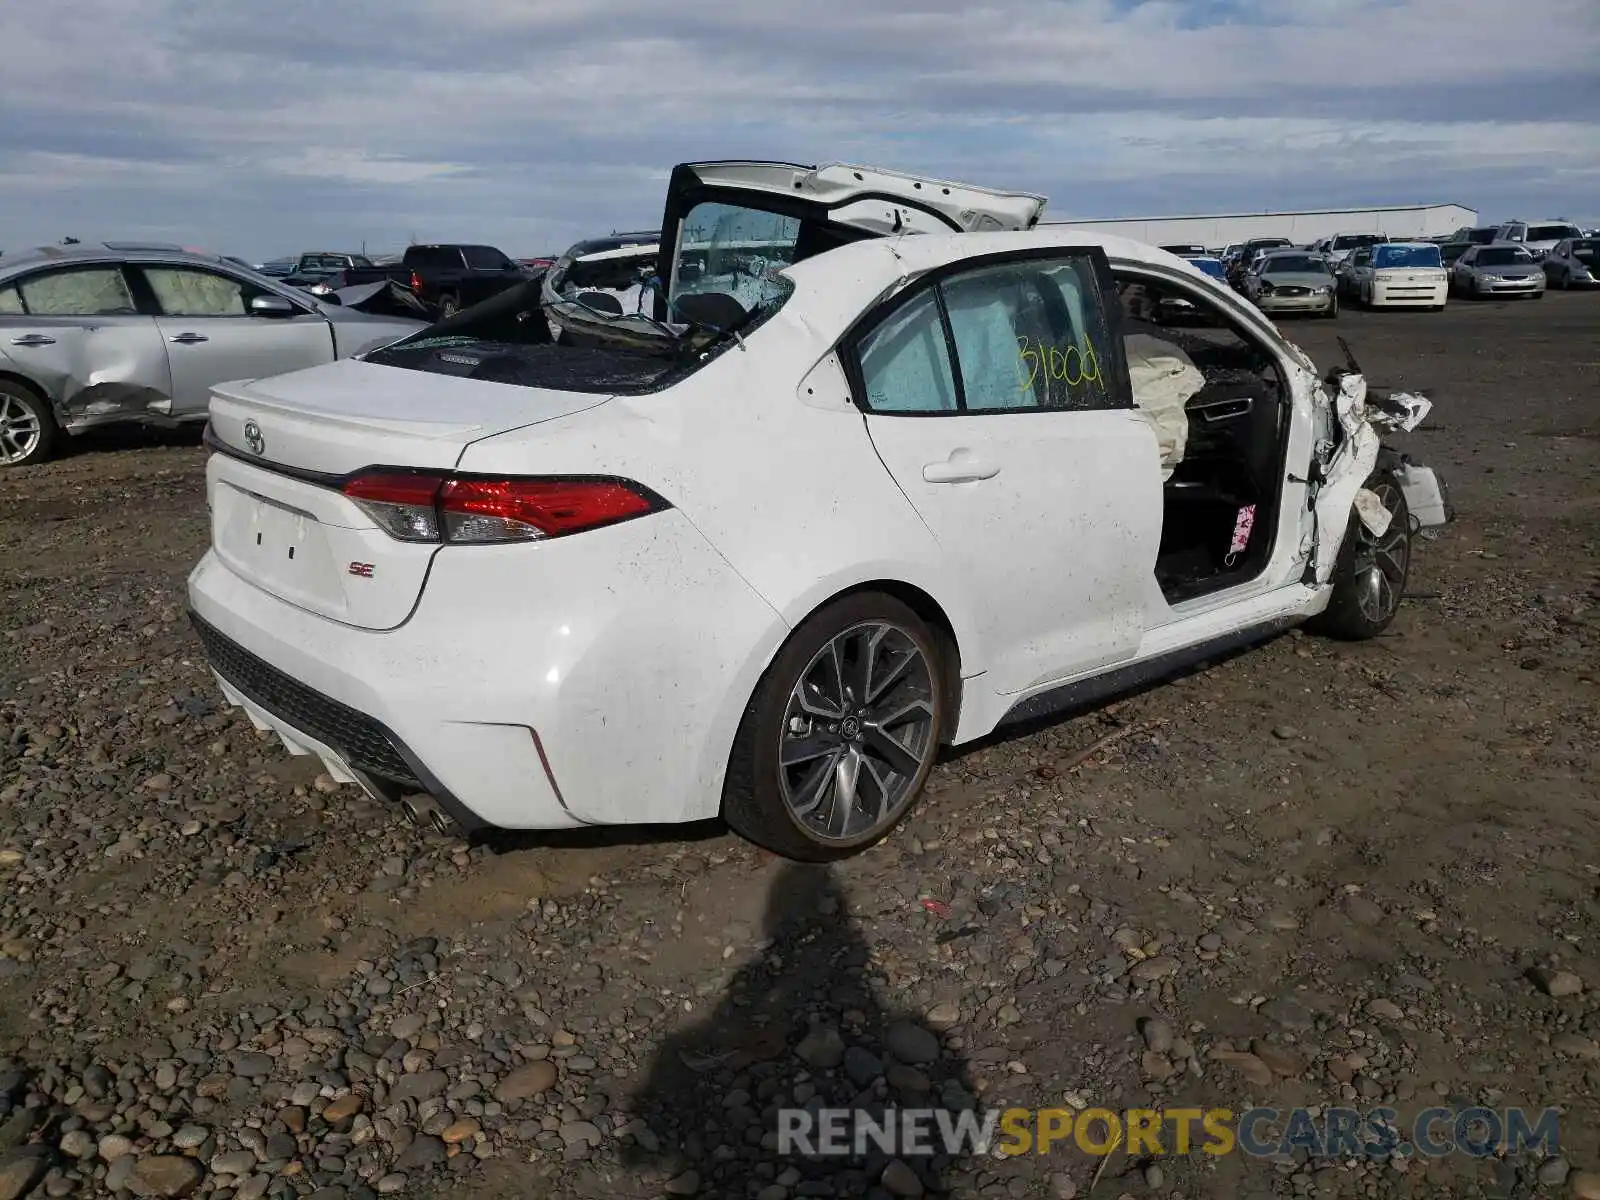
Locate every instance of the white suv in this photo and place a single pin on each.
(1537, 237)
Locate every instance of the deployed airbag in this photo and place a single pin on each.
(1164, 379)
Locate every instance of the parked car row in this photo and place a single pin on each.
(171, 323)
(444, 277)
(1510, 260)
(1279, 278)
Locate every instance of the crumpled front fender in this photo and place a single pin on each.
(1347, 471)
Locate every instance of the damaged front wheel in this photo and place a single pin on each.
(1370, 576)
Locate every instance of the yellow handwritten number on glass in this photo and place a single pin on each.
(1031, 359)
(1058, 364)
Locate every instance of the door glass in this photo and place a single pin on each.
(1080, 377)
(92, 292)
(735, 250)
(432, 257)
(10, 303)
(187, 293)
(905, 363)
(998, 343)
(1030, 335)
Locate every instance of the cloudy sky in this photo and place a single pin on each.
(259, 127)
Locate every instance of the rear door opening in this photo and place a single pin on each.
(1221, 405)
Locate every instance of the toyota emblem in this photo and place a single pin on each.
(253, 438)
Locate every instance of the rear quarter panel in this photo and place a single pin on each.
(787, 490)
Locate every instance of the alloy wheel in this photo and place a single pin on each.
(20, 430)
(858, 732)
(1380, 562)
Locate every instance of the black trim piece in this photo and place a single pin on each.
(387, 762)
(1081, 693)
(952, 356)
(318, 478)
(144, 295)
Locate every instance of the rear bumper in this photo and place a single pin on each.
(598, 679)
(354, 747)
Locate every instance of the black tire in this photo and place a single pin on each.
(26, 419)
(1332, 310)
(449, 306)
(1353, 613)
(755, 793)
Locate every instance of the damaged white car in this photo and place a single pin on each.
(880, 467)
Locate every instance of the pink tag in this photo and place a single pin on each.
(1242, 525)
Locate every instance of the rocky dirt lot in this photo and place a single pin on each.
(1315, 873)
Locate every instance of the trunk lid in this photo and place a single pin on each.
(350, 414)
(278, 518)
(731, 226)
(857, 197)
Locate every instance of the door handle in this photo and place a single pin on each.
(33, 339)
(1222, 410)
(187, 339)
(960, 470)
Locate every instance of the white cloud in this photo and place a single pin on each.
(264, 127)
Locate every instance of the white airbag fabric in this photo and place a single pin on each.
(1164, 378)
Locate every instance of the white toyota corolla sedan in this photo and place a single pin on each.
(873, 465)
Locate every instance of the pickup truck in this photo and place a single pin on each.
(446, 278)
(317, 265)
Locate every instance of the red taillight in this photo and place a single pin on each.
(497, 510)
(416, 282)
(440, 508)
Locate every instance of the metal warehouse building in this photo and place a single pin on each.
(1407, 221)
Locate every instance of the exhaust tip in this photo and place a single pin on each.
(424, 812)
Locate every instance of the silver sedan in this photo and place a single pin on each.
(116, 332)
(1497, 269)
(1291, 281)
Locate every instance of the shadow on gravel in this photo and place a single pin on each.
(110, 439)
(799, 1030)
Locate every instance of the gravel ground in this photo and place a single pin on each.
(1310, 874)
